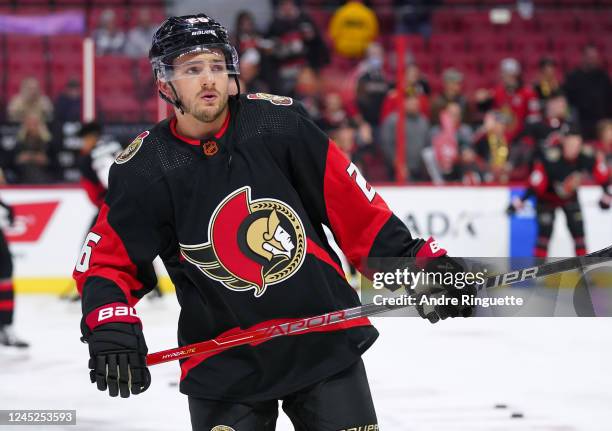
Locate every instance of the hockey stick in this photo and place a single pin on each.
(341, 317)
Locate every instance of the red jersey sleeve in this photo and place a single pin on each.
(337, 195)
(115, 263)
(538, 180)
(601, 170)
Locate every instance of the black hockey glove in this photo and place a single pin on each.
(434, 261)
(117, 350)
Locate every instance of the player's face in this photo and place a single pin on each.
(571, 146)
(557, 107)
(203, 86)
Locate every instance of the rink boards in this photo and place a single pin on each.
(468, 221)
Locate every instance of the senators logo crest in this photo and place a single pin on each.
(252, 244)
(131, 149)
(272, 98)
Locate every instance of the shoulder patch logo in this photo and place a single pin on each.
(222, 428)
(272, 98)
(252, 244)
(131, 149)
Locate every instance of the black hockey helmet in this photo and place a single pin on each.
(181, 35)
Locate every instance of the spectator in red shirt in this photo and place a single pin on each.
(415, 85)
(515, 100)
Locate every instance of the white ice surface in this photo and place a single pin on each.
(557, 372)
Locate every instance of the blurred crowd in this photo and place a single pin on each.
(450, 134)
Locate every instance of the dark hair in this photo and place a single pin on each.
(556, 93)
(243, 14)
(546, 61)
(89, 128)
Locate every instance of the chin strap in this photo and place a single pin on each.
(233, 119)
(176, 102)
(237, 81)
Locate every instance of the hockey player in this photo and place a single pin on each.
(232, 193)
(7, 294)
(96, 157)
(554, 181)
(98, 154)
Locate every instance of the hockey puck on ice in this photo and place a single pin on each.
(516, 415)
(501, 406)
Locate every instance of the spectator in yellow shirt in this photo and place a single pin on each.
(352, 28)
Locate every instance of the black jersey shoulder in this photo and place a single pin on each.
(264, 114)
(587, 158)
(150, 156)
(275, 101)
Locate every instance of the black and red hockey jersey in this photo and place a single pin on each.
(237, 220)
(94, 169)
(554, 179)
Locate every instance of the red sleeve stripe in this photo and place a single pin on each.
(601, 172)
(115, 312)
(109, 259)
(94, 191)
(538, 180)
(6, 286)
(194, 361)
(7, 305)
(354, 220)
(320, 253)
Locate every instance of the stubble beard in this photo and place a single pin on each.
(205, 115)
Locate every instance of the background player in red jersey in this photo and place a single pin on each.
(232, 194)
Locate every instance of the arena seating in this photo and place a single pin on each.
(463, 37)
